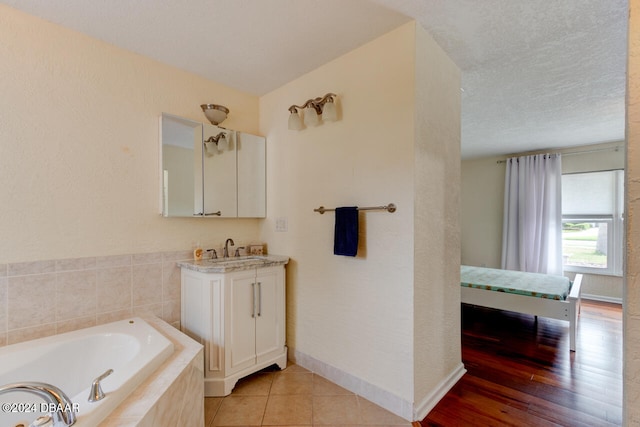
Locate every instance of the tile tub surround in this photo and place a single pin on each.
(173, 396)
(43, 298)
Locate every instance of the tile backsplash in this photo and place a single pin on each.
(44, 298)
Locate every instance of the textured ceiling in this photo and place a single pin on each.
(536, 74)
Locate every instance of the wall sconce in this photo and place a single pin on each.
(215, 113)
(313, 109)
(216, 144)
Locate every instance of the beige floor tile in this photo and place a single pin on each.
(258, 384)
(324, 387)
(335, 410)
(289, 410)
(241, 411)
(292, 383)
(211, 405)
(372, 414)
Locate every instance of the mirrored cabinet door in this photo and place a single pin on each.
(219, 172)
(181, 140)
(251, 153)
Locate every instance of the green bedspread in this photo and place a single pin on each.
(516, 282)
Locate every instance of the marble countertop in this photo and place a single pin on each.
(226, 265)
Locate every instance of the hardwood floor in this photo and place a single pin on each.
(521, 373)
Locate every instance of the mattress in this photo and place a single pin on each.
(516, 282)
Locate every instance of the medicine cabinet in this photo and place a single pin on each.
(209, 171)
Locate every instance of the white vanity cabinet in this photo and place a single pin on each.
(239, 317)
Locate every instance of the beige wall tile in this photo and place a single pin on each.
(27, 334)
(3, 339)
(113, 289)
(113, 316)
(75, 294)
(147, 284)
(151, 258)
(148, 310)
(75, 324)
(79, 292)
(3, 305)
(76, 264)
(34, 267)
(170, 281)
(171, 311)
(113, 261)
(31, 300)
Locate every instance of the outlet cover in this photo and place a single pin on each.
(282, 224)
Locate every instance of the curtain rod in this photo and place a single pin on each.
(573, 153)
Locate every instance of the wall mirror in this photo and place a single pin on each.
(209, 171)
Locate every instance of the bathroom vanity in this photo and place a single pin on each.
(235, 307)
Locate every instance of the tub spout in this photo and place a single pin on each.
(63, 414)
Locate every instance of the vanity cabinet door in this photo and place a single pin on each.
(240, 349)
(270, 317)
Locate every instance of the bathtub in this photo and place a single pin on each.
(70, 361)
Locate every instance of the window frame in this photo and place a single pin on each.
(615, 232)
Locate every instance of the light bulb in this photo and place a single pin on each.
(329, 113)
(311, 117)
(295, 123)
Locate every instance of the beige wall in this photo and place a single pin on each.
(356, 315)
(632, 285)
(482, 209)
(436, 295)
(79, 146)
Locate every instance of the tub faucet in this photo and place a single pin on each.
(225, 252)
(63, 415)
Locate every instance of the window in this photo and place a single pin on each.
(592, 228)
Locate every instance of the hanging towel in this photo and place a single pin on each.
(345, 238)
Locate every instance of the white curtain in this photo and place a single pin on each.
(532, 224)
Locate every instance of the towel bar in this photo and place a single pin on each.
(389, 208)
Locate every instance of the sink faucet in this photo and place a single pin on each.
(63, 414)
(225, 252)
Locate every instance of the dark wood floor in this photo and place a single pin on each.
(521, 373)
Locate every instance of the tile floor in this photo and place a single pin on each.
(294, 397)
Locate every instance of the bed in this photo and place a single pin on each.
(545, 295)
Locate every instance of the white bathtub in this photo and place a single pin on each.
(70, 361)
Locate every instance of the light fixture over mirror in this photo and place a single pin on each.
(216, 144)
(215, 113)
(312, 110)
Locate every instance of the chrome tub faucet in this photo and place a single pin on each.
(53, 396)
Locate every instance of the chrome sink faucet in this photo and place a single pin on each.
(53, 396)
(225, 252)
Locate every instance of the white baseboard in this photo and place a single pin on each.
(375, 394)
(423, 408)
(602, 298)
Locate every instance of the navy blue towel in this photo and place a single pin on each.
(345, 238)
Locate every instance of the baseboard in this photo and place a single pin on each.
(602, 298)
(423, 408)
(375, 394)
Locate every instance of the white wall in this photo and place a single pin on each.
(482, 209)
(356, 315)
(79, 145)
